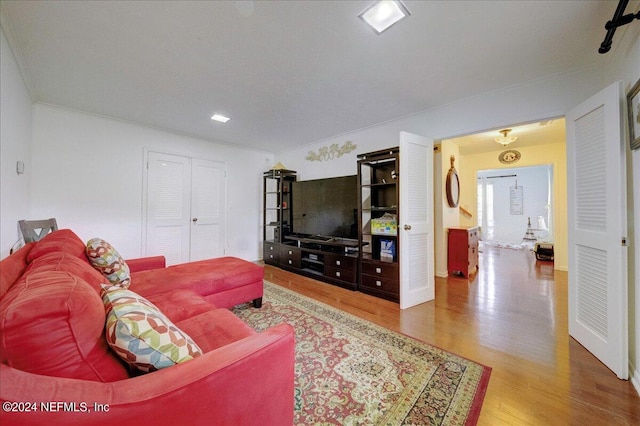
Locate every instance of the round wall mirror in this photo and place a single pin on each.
(453, 185)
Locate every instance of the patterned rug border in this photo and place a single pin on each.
(392, 338)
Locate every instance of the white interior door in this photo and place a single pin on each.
(207, 209)
(168, 207)
(598, 316)
(417, 275)
(184, 210)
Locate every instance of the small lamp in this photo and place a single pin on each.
(505, 139)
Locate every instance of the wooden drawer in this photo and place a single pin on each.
(387, 285)
(340, 262)
(342, 274)
(271, 253)
(290, 256)
(380, 269)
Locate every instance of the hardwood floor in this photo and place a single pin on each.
(512, 317)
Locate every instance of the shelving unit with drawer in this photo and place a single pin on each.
(378, 180)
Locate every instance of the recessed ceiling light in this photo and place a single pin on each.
(383, 14)
(219, 117)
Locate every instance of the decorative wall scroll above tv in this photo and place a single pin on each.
(332, 152)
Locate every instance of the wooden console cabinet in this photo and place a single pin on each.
(333, 260)
(463, 250)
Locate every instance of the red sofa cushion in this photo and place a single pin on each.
(215, 329)
(52, 323)
(12, 267)
(64, 240)
(66, 262)
(180, 304)
(205, 277)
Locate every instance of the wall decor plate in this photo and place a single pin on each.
(509, 156)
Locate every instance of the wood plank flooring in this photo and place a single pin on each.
(511, 316)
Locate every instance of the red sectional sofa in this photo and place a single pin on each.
(57, 367)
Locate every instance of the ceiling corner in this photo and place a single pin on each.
(7, 29)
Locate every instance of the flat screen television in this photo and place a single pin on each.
(326, 207)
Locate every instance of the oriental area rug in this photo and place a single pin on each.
(349, 371)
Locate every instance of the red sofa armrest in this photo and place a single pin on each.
(146, 263)
(248, 382)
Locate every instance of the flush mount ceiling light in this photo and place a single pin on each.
(219, 117)
(381, 15)
(505, 139)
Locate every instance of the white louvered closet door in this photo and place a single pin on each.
(184, 208)
(417, 275)
(598, 316)
(168, 207)
(207, 209)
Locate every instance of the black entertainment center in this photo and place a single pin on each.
(312, 226)
(340, 230)
(330, 259)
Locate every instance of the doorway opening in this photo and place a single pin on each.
(515, 206)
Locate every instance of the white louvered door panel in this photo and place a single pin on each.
(598, 316)
(208, 209)
(417, 276)
(167, 207)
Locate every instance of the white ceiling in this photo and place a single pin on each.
(532, 134)
(288, 73)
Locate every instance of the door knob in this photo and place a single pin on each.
(194, 220)
(407, 227)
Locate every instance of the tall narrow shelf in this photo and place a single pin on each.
(277, 211)
(378, 208)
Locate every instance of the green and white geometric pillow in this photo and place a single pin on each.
(108, 262)
(142, 335)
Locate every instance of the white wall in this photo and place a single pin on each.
(15, 145)
(88, 173)
(540, 99)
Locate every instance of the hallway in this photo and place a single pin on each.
(511, 316)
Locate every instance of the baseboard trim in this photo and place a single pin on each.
(635, 378)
